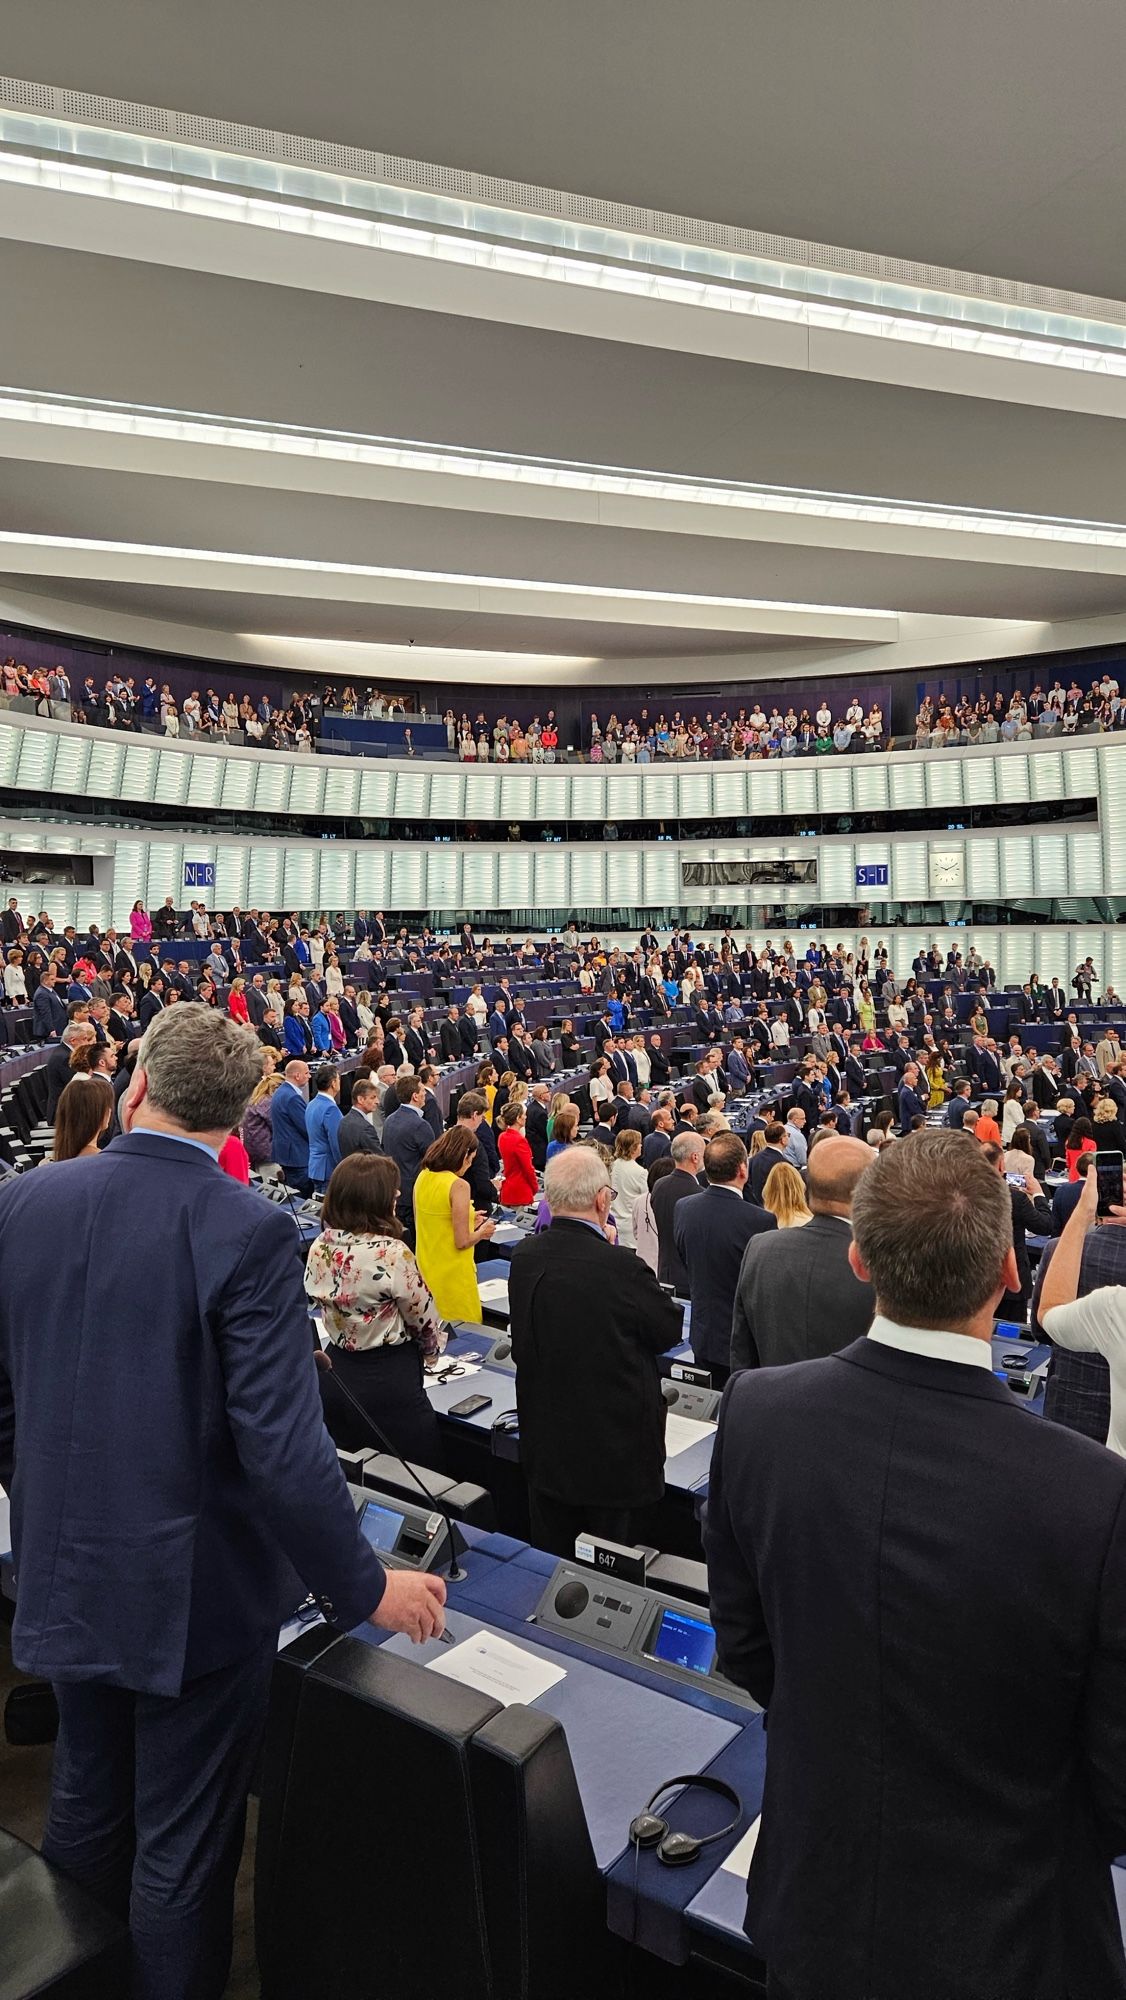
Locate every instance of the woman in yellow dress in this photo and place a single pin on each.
(447, 1228)
(865, 1009)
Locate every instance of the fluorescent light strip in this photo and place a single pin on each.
(373, 233)
(785, 267)
(406, 455)
(618, 593)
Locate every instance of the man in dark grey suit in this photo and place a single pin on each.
(711, 1231)
(797, 1296)
(357, 1134)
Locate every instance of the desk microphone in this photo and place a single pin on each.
(455, 1572)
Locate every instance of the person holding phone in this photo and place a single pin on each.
(1096, 1323)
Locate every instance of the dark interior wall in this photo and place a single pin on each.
(897, 694)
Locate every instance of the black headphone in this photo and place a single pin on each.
(677, 1850)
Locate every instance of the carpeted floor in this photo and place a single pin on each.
(25, 1780)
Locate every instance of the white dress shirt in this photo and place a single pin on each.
(932, 1342)
(1097, 1325)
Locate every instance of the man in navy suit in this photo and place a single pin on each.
(174, 1493)
(406, 1137)
(48, 1009)
(287, 1123)
(897, 1467)
(711, 1231)
(910, 1099)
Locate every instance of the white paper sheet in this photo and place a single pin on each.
(739, 1860)
(680, 1432)
(495, 1667)
(494, 1292)
(507, 1232)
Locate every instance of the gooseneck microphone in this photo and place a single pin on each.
(455, 1572)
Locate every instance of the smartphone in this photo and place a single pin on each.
(1108, 1173)
(469, 1406)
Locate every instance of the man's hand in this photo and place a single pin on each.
(412, 1603)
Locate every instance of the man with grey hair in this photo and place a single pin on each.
(57, 1069)
(896, 1469)
(585, 1343)
(688, 1161)
(183, 1453)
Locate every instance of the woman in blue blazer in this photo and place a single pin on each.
(297, 1029)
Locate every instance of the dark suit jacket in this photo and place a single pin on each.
(57, 1072)
(797, 1297)
(449, 1040)
(198, 1472)
(356, 1134)
(711, 1232)
(48, 1013)
(414, 1047)
(674, 1188)
(884, 1656)
(760, 1170)
(535, 1131)
(585, 1343)
(148, 1007)
(406, 1137)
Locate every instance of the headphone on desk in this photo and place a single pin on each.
(679, 1850)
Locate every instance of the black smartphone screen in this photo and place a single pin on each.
(1108, 1172)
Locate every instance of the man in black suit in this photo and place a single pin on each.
(450, 1045)
(711, 1231)
(467, 1036)
(687, 1158)
(912, 1450)
(521, 1061)
(257, 1000)
(151, 1002)
(1047, 1083)
(57, 1070)
(415, 1046)
(270, 1033)
(658, 1063)
(471, 1108)
(356, 1133)
(535, 1124)
(585, 1343)
(797, 1296)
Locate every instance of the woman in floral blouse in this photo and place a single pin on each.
(379, 1316)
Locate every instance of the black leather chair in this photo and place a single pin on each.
(53, 1940)
(415, 1838)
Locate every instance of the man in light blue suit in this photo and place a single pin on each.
(322, 1123)
(174, 1492)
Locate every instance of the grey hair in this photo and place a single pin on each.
(933, 1223)
(686, 1146)
(573, 1179)
(989, 1107)
(201, 1067)
(77, 1031)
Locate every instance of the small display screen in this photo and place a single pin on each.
(684, 1642)
(380, 1526)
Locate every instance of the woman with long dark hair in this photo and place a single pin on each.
(379, 1315)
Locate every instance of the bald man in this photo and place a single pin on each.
(797, 1296)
